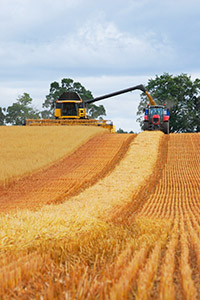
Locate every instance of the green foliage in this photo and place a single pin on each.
(68, 84)
(21, 110)
(2, 116)
(94, 111)
(182, 97)
(120, 130)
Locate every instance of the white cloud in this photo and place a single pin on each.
(103, 45)
(94, 47)
(87, 37)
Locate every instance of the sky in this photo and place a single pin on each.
(105, 45)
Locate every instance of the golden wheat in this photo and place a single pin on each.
(25, 149)
(168, 267)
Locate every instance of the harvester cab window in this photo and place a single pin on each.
(69, 109)
(58, 105)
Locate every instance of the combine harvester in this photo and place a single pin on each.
(72, 110)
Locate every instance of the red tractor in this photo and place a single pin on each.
(156, 117)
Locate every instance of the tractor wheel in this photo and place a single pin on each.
(146, 125)
(166, 127)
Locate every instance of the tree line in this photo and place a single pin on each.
(180, 93)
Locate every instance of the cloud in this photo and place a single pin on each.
(97, 47)
(88, 37)
(105, 41)
(21, 18)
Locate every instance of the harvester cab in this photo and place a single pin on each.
(70, 106)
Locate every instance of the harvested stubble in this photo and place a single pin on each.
(25, 149)
(176, 198)
(91, 257)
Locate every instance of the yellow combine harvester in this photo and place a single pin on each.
(72, 110)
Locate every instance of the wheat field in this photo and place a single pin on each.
(130, 232)
(25, 149)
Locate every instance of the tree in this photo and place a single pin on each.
(68, 84)
(182, 97)
(120, 130)
(21, 110)
(2, 116)
(95, 111)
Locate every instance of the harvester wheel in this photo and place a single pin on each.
(166, 127)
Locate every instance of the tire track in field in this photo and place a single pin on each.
(84, 167)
